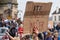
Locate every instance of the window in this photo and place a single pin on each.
(9, 4)
(55, 18)
(59, 18)
(37, 8)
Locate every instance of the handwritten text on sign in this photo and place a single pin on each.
(37, 23)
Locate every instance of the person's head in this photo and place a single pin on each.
(49, 33)
(27, 36)
(58, 24)
(21, 25)
(56, 34)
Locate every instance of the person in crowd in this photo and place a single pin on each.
(48, 36)
(4, 26)
(44, 33)
(50, 28)
(13, 35)
(27, 37)
(57, 27)
(17, 26)
(35, 33)
(41, 36)
(20, 30)
(35, 36)
(12, 38)
(8, 25)
(13, 30)
(35, 29)
(12, 22)
(19, 21)
(55, 35)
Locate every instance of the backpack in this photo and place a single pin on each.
(13, 32)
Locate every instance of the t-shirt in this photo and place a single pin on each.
(20, 30)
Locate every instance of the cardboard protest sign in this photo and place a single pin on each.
(36, 13)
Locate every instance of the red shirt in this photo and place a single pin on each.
(20, 30)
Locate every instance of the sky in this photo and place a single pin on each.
(22, 5)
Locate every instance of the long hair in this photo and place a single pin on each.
(48, 34)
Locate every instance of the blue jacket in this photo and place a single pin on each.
(49, 38)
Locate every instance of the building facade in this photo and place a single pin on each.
(8, 8)
(50, 23)
(36, 14)
(56, 16)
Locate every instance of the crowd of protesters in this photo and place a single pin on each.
(16, 29)
(12, 25)
(50, 34)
